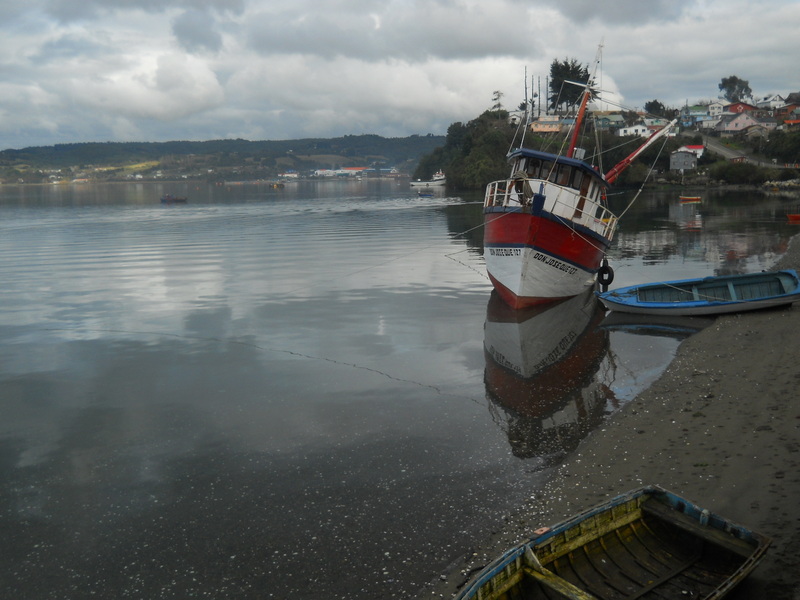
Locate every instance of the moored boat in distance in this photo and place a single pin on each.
(646, 544)
(707, 296)
(437, 180)
(793, 217)
(690, 199)
(170, 199)
(548, 226)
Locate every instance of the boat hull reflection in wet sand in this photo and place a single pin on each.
(646, 544)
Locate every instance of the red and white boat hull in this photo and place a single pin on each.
(533, 259)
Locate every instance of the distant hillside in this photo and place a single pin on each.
(350, 150)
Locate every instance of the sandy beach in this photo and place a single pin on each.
(720, 427)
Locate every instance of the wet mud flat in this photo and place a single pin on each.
(720, 427)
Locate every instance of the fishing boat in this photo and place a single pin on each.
(437, 180)
(646, 544)
(690, 199)
(707, 296)
(548, 226)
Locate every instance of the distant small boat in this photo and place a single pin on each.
(793, 217)
(708, 296)
(437, 180)
(647, 544)
(425, 194)
(690, 199)
(170, 199)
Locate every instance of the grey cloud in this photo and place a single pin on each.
(444, 31)
(67, 47)
(195, 30)
(69, 10)
(620, 11)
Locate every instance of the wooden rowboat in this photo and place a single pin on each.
(690, 199)
(793, 217)
(646, 544)
(708, 296)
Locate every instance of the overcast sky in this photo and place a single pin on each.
(159, 70)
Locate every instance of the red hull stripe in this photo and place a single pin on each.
(581, 229)
(517, 230)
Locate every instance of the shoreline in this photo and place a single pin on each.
(721, 427)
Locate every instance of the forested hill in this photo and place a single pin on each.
(364, 149)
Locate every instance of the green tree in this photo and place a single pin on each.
(497, 97)
(561, 92)
(654, 107)
(735, 89)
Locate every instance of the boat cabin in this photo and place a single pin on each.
(558, 170)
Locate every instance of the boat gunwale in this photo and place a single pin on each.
(640, 496)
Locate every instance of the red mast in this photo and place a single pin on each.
(578, 122)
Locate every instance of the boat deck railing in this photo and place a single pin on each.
(563, 202)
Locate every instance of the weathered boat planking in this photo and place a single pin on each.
(708, 296)
(646, 544)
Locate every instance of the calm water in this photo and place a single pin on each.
(303, 393)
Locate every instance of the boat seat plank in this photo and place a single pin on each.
(563, 587)
(711, 535)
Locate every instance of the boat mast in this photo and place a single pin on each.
(587, 93)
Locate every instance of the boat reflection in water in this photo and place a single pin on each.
(542, 367)
(678, 328)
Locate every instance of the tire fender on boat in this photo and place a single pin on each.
(605, 274)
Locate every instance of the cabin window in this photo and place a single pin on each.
(547, 171)
(533, 168)
(564, 173)
(577, 179)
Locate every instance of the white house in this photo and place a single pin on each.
(639, 129)
(771, 102)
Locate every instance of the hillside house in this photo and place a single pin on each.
(639, 129)
(609, 121)
(546, 124)
(691, 114)
(696, 149)
(715, 109)
(770, 102)
(731, 124)
(740, 107)
(682, 160)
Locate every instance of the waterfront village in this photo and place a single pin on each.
(713, 120)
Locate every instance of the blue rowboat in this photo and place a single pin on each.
(708, 296)
(648, 543)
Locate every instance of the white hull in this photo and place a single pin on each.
(529, 273)
(437, 183)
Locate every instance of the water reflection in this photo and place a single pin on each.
(541, 367)
(678, 328)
